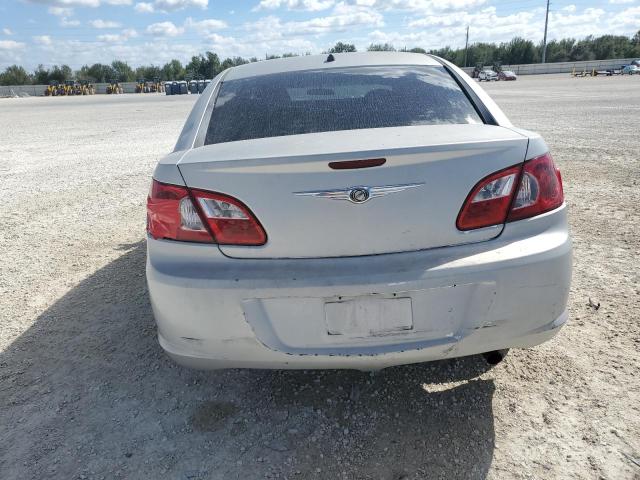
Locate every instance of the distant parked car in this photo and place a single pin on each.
(630, 70)
(507, 75)
(636, 62)
(487, 75)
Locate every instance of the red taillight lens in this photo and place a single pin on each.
(495, 200)
(229, 220)
(489, 201)
(172, 214)
(540, 189)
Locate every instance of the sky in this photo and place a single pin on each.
(78, 32)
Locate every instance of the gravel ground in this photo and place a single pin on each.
(86, 392)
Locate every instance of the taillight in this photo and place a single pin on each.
(213, 218)
(488, 202)
(229, 220)
(540, 189)
(495, 199)
(171, 215)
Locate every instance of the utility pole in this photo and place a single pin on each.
(544, 41)
(466, 47)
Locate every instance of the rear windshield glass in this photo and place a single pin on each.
(326, 100)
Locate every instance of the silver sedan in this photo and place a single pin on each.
(354, 210)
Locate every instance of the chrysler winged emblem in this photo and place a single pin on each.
(359, 194)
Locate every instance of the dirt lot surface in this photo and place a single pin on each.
(86, 392)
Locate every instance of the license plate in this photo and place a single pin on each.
(368, 316)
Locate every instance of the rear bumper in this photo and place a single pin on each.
(216, 312)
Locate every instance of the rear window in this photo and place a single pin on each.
(327, 100)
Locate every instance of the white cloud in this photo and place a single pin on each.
(11, 51)
(60, 5)
(7, 31)
(172, 5)
(256, 45)
(118, 37)
(588, 16)
(11, 45)
(305, 5)
(65, 22)
(68, 3)
(628, 20)
(61, 11)
(164, 29)
(615, 2)
(342, 18)
(486, 16)
(42, 40)
(144, 7)
(169, 5)
(204, 26)
(426, 6)
(99, 23)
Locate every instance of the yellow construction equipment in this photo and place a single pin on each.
(52, 89)
(87, 87)
(157, 86)
(149, 86)
(114, 87)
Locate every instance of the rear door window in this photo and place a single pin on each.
(292, 103)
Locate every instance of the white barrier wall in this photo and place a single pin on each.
(562, 67)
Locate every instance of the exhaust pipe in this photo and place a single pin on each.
(495, 357)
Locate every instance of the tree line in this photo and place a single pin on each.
(516, 51)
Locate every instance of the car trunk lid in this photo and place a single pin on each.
(304, 204)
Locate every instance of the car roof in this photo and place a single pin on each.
(315, 62)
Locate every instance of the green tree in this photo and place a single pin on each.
(97, 72)
(173, 70)
(213, 65)
(61, 73)
(381, 47)
(518, 51)
(233, 62)
(15, 75)
(342, 48)
(148, 72)
(41, 75)
(122, 71)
